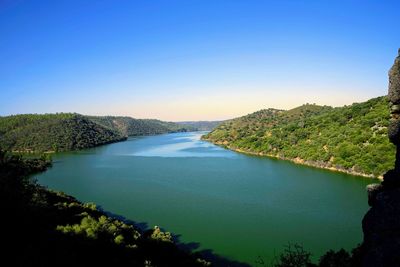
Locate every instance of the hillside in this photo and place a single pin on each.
(201, 125)
(128, 126)
(350, 139)
(53, 132)
(70, 131)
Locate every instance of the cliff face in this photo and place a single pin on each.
(381, 224)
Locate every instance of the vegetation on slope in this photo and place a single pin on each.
(46, 228)
(128, 126)
(70, 131)
(201, 125)
(351, 138)
(52, 132)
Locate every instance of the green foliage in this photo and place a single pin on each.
(119, 239)
(128, 126)
(294, 256)
(102, 227)
(52, 133)
(159, 235)
(201, 125)
(340, 258)
(350, 138)
(14, 178)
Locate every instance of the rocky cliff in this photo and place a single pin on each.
(381, 224)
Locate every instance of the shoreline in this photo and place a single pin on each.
(29, 151)
(299, 161)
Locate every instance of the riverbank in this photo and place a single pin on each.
(314, 164)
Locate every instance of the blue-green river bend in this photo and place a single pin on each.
(241, 207)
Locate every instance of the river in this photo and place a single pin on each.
(241, 207)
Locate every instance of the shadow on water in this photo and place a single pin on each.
(190, 247)
(220, 261)
(207, 254)
(142, 226)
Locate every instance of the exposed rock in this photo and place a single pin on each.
(394, 126)
(381, 224)
(391, 178)
(394, 81)
(373, 190)
(394, 98)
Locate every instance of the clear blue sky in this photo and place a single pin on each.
(192, 60)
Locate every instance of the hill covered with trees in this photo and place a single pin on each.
(71, 131)
(53, 132)
(350, 139)
(128, 126)
(201, 125)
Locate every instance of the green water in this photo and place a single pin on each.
(238, 206)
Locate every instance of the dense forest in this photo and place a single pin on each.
(128, 126)
(70, 131)
(351, 138)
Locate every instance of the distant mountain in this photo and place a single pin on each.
(128, 126)
(201, 125)
(350, 139)
(70, 131)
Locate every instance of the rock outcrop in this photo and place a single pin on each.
(381, 224)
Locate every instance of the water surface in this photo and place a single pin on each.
(239, 206)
